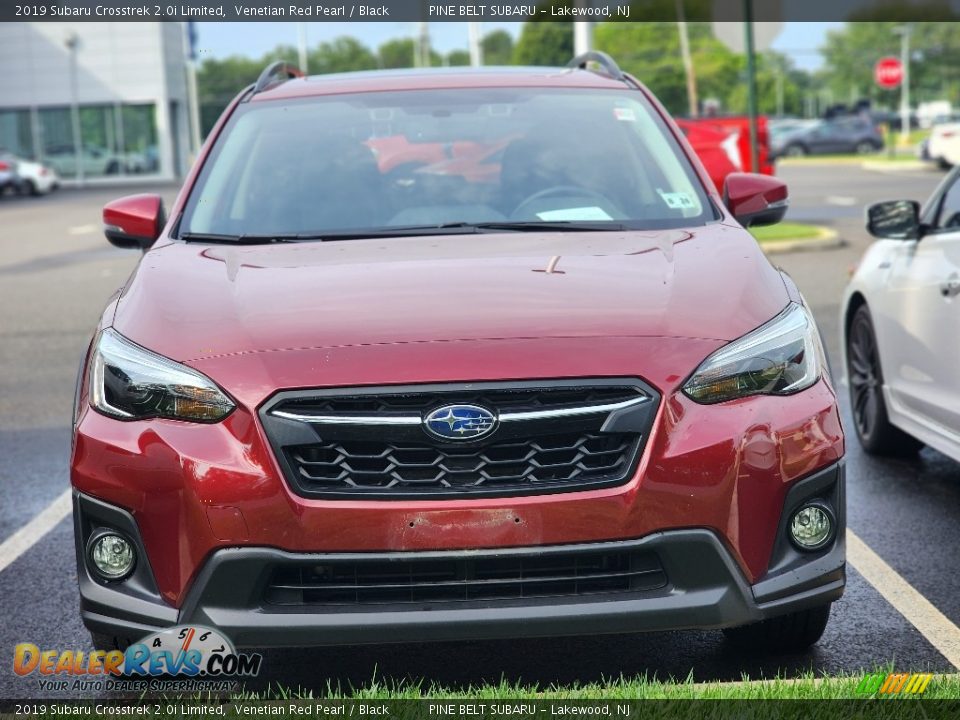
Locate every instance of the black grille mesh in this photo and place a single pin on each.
(465, 578)
(549, 459)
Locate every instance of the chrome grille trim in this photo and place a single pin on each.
(350, 419)
(502, 417)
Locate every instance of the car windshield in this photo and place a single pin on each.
(395, 162)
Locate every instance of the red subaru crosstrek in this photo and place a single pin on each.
(534, 380)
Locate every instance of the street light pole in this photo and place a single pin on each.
(476, 46)
(751, 85)
(904, 32)
(422, 50)
(687, 61)
(582, 36)
(193, 99)
(73, 42)
(302, 47)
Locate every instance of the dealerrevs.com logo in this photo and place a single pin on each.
(180, 653)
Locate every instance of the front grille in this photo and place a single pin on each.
(383, 465)
(548, 437)
(462, 578)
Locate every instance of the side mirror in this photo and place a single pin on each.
(895, 220)
(135, 221)
(755, 199)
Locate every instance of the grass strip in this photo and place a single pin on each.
(786, 231)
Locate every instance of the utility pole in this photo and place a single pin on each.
(687, 61)
(73, 43)
(904, 32)
(582, 33)
(192, 95)
(751, 85)
(780, 102)
(302, 47)
(476, 47)
(422, 58)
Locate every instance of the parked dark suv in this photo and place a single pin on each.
(845, 135)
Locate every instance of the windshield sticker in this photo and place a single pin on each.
(624, 114)
(677, 200)
(580, 213)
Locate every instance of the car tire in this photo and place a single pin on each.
(943, 164)
(865, 148)
(30, 188)
(865, 380)
(113, 167)
(795, 150)
(790, 633)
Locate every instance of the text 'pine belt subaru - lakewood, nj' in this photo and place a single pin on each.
(455, 354)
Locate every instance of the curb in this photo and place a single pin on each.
(828, 239)
(895, 167)
(865, 164)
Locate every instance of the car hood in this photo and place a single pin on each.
(194, 302)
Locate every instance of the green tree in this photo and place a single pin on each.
(851, 53)
(458, 58)
(497, 48)
(773, 70)
(401, 53)
(544, 43)
(343, 54)
(651, 52)
(218, 81)
(397, 53)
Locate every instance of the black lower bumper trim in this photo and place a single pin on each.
(704, 588)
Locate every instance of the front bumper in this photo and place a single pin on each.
(704, 588)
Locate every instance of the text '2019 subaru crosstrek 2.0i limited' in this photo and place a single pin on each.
(454, 355)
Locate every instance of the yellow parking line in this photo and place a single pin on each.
(932, 624)
(27, 536)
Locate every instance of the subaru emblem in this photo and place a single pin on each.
(460, 422)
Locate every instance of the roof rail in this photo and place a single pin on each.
(602, 59)
(276, 73)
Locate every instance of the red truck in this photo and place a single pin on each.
(723, 145)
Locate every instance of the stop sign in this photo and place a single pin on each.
(888, 72)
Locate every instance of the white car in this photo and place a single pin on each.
(8, 174)
(901, 323)
(943, 145)
(34, 178)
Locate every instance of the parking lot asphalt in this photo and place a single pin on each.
(56, 274)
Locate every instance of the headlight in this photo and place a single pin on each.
(782, 357)
(128, 382)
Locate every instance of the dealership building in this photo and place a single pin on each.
(97, 101)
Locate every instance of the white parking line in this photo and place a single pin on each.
(932, 624)
(842, 200)
(27, 536)
(82, 229)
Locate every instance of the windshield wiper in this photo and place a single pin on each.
(360, 234)
(548, 225)
(454, 228)
(467, 228)
(221, 238)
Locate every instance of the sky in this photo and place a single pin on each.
(800, 40)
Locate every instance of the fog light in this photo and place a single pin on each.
(112, 555)
(811, 527)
